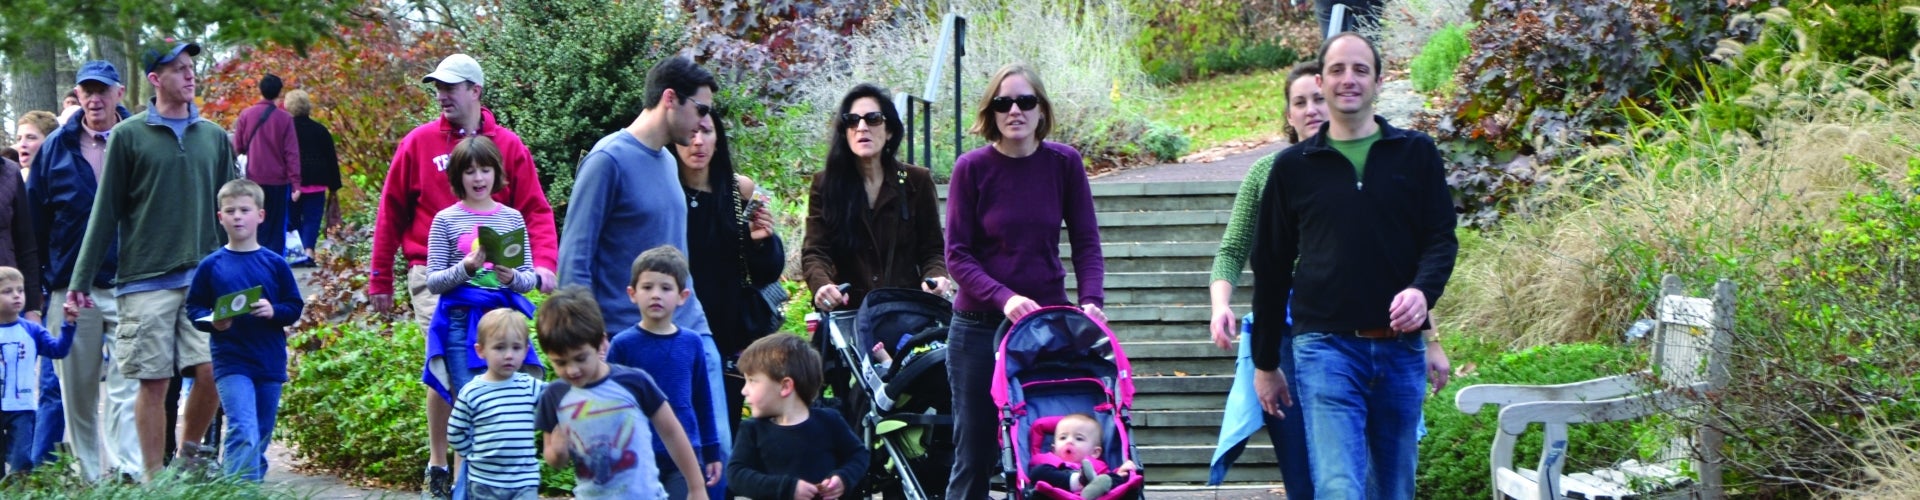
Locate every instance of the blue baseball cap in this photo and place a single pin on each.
(160, 54)
(98, 71)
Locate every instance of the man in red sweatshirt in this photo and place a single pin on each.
(416, 189)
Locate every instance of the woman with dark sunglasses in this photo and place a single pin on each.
(1005, 206)
(872, 221)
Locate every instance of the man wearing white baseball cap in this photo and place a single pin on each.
(415, 190)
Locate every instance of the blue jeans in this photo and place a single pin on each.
(307, 215)
(16, 437)
(252, 406)
(970, 351)
(716, 386)
(273, 231)
(1361, 398)
(1289, 434)
(458, 346)
(50, 421)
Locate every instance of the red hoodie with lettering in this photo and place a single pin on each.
(417, 188)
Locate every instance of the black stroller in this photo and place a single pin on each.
(903, 409)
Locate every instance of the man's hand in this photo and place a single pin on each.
(833, 488)
(1271, 385)
(296, 192)
(1017, 307)
(84, 299)
(714, 470)
(547, 281)
(1438, 367)
(382, 302)
(805, 491)
(262, 309)
(1408, 311)
(1225, 327)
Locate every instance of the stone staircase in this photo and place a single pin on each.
(1159, 240)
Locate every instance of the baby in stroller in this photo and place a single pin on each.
(1075, 465)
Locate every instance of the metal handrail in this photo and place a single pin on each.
(953, 34)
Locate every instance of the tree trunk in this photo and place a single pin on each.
(125, 57)
(35, 80)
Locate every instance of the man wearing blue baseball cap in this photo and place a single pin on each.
(163, 169)
(60, 188)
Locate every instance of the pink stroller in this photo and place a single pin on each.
(1052, 363)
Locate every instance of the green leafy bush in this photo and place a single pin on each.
(62, 480)
(1176, 36)
(1166, 143)
(1234, 57)
(355, 405)
(566, 73)
(1454, 458)
(1848, 29)
(1435, 65)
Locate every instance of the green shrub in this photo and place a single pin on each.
(566, 73)
(1848, 29)
(1454, 458)
(1234, 57)
(1435, 65)
(356, 405)
(62, 480)
(1165, 142)
(1186, 30)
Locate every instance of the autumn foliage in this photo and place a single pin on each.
(366, 89)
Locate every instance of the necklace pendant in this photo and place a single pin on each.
(693, 203)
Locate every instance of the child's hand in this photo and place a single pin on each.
(714, 469)
(504, 273)
(558, 446)
(71, 311)
(474, 259)
(1127, 469)
(832, 488)
(262, 309)
(805, 491)
(223, 325)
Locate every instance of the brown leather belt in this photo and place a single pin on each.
(1377, 333)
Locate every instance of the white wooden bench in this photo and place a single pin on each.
(1690, 341)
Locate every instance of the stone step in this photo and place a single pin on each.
(1149, 332)
(1211, 385)
(1144, 400)
(1178, 418)
(1130, 197)
(1192, 357)
(1258, 454)
(1195, 315)
(1195, 278)
(1244, 471)
(1168, 296)
(1178, 226)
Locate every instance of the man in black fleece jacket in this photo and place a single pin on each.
(1357, 224)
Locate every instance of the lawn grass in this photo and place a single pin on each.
(1225, 108)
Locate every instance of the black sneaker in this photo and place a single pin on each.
(439, 483)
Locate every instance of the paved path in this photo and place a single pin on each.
(1231, 168)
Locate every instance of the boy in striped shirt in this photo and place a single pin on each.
(492, 422)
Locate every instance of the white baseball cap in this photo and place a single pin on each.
(455, 69)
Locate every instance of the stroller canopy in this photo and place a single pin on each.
(1060, 334)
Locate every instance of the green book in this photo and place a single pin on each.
(235, 304)
(504, 249)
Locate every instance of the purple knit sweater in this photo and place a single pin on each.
(1003, 228)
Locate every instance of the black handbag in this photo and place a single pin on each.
(763, 308)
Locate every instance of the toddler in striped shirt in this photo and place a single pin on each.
(492, 423)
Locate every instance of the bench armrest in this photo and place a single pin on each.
(1470, 399)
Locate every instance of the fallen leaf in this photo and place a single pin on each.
(1178, 373)
(1465, 369)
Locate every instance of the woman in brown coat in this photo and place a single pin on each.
(872, 221)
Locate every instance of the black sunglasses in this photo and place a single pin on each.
(873, 119)
(702, 109)
(1004, 104)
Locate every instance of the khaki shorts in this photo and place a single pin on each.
(424, 300)
(156, 337)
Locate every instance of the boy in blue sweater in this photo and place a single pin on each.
(673, 356)
(21, 345)
(250, 350)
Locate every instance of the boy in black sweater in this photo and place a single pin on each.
(778, 455)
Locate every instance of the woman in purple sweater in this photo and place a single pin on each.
(1005, 205)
